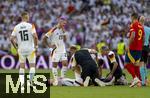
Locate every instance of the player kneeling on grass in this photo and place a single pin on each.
(25, 40)
(115, 70)
(85, 66)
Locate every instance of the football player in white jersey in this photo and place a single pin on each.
(58, 51)
(25, 40)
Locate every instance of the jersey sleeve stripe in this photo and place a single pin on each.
(50, 32)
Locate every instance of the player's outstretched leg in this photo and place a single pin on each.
(111, 82)
(99, 82)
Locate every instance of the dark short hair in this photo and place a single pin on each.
(134, 15)
(104, 48)
(73, 47)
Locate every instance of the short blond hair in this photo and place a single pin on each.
(24, 15)
(142, 19)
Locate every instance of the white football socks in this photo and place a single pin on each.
(31, 73)
(63, 71)
(21, 76)
(55, 73)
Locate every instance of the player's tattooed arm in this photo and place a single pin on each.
(13, 41)
(46, 36)
(77, 69)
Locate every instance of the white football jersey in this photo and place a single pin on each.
(24, 34)
(111, 56)
(57, 39)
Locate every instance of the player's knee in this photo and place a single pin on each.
(22, 65)
(32, 64)
(64, 63)
(55, 65)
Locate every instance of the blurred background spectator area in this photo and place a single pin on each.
(91, 23)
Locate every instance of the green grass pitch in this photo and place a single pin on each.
(100, 92)
(95, 92)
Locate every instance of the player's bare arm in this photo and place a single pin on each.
(115, 64)
(114, 68)
(46, 36)
(35, 37)
(12, 39)
(73, 63)
(132, 37)
(45, 42)
(75, 67)
(35, 41)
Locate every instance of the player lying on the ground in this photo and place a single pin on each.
(82, 60)
(115, 70)
(65, 82)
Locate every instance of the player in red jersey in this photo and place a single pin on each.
(134, 50)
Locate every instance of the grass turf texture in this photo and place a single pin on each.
(95, 92)
(100, 92)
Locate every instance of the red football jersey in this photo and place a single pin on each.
(137, 43)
